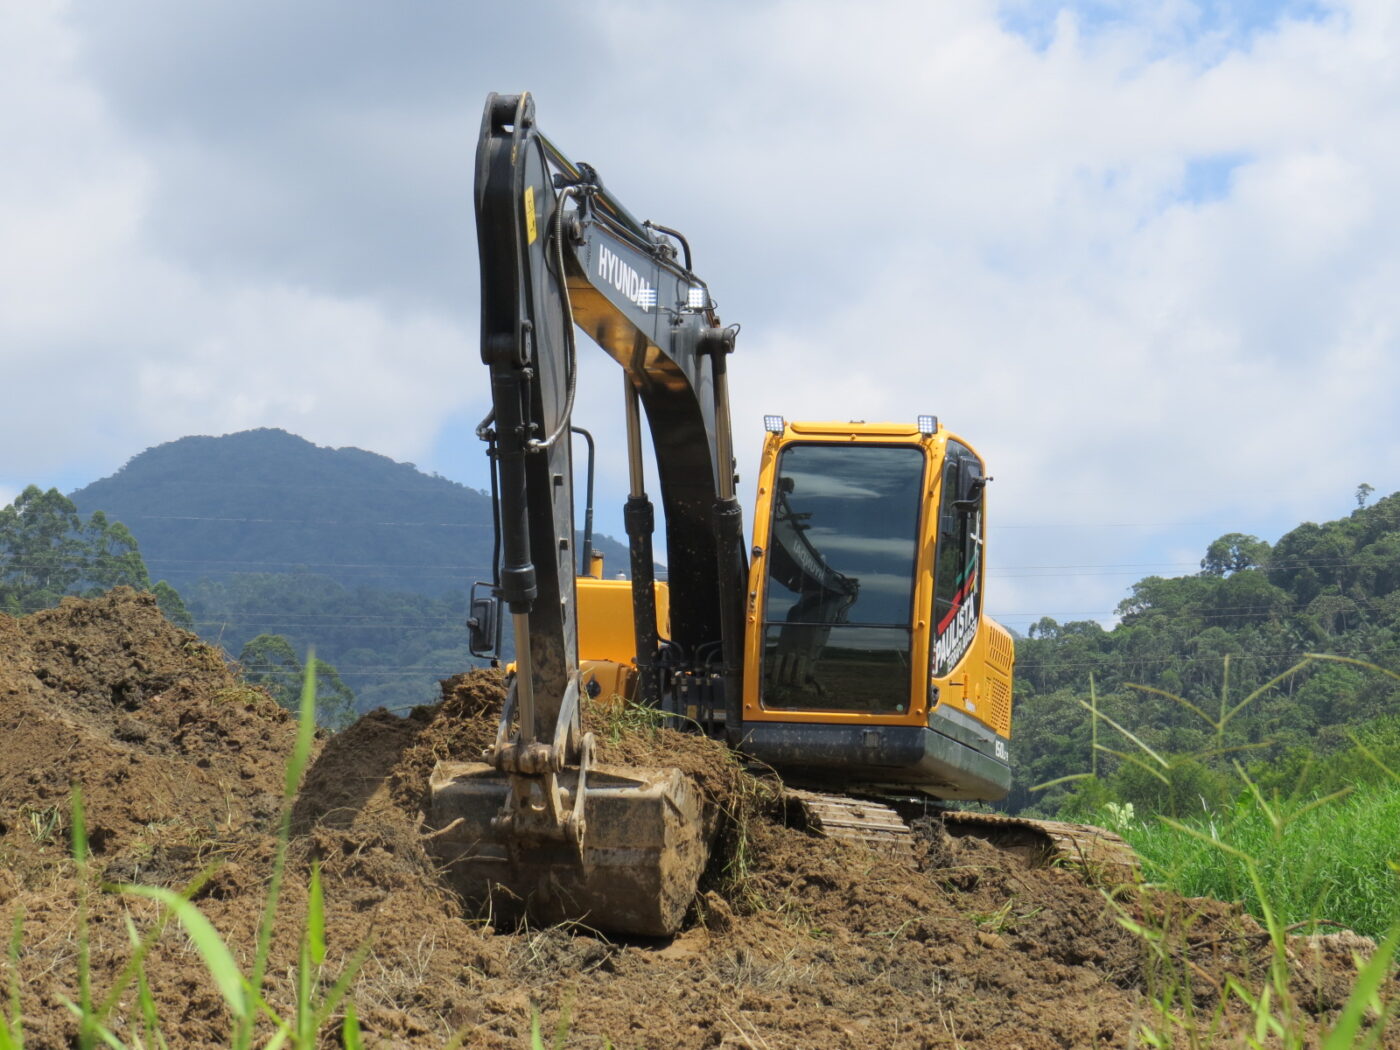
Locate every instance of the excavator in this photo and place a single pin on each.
(844, 646)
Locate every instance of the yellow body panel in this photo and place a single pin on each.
(607, 644)
(605, 618)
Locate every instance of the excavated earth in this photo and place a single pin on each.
(795, 941)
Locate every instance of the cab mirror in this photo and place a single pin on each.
(482, 633)
(971, 482)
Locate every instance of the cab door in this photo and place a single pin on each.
(839, 579)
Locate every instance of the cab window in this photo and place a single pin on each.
(957, 597)
(840, 564)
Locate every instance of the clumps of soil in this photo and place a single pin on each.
(795, 941)
(461, 726)
(640, 741)
(172, 752)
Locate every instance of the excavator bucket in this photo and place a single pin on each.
(634, 866)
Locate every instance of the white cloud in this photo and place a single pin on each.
(116, 346)
(910, 207)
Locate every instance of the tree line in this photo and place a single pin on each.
(1213, 669)
(1204, 671)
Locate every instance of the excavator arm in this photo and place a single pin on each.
(620, 849)
(558, 251)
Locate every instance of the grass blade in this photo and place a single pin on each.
(1141, 746)
(12, 1030)
(306, 729)
(296, 766)
(316, 917)
(1363, 994)
(218, 960)
(1062, 780)
(350, 1029)
(338, 990)
(87, 1034)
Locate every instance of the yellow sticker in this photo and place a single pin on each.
(531, 232)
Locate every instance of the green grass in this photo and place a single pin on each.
(1332, 861)
(1296, 861)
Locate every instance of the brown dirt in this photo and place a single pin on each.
(795, 942)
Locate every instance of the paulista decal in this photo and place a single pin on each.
(625, 279)
(959, 626)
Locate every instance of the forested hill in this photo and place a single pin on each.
(1330, 589)
(266, 501)
(266, 535)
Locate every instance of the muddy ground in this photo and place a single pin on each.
(795, 941)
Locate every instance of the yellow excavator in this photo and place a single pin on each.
(845, 646)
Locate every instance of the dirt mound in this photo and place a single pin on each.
(172, 752)
(796, 941)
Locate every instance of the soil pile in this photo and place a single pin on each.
(172, 752)
(795, 941)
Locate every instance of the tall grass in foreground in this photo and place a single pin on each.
(1330, 861)
(1294, 863)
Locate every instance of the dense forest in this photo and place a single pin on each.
(389, 647)
(1203, 672)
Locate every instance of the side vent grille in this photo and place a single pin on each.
(999, 717)
(1000, 651)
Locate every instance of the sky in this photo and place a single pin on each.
(1142, 256)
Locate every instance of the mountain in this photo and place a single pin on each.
(266, 501)
(365, 559)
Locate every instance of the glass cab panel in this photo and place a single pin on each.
(957, 595)
(839, 593)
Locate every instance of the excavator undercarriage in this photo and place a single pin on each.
(884, 827)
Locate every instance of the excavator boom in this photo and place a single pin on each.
(536, 822)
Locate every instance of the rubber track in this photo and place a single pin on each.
(1042, 842)
(871, 824)
(1039, 843)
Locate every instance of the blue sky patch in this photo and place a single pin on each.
(1208, 178)
(1232, 22)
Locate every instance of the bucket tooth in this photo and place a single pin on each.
(643, 848)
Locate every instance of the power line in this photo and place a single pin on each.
(1191, 661)
(418, 670)
(1011, 571)
(313, 521)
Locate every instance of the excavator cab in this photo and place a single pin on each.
(870, 665)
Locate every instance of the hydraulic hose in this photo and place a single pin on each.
(570, 349)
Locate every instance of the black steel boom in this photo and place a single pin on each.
(557, 250)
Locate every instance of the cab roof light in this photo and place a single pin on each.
(928, 425)
(773, 424)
